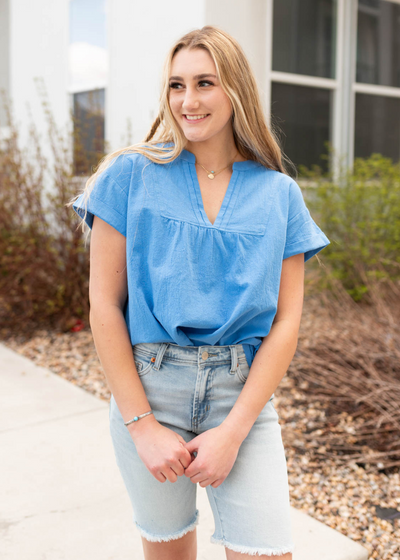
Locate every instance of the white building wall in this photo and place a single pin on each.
(247, 23)
(38, 48)
(4, 53)
(139, 37)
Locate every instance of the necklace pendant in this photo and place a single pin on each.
(210, 175)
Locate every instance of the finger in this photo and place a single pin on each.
(217, 483)
(174, 468)
(171, 475)
(160, 477)
(178, 468)
(185, 463)
(196, 477)
(188, 455)
(184, 450)
(192, 469)
(192, 445)
(185, 458)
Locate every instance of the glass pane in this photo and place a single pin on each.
(88, 57)
(377, 126)
(378, 43)
(304, 37)
(303, 114)
(88, 130)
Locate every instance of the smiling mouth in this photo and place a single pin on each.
(195, 118)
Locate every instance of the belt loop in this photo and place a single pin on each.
(160, 354)
(234, 359)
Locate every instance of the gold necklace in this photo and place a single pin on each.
(212, 174)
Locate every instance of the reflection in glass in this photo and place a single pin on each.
(88, 55)
(304, 115)
(88, 77)
(89, 109)
(378, 43)
(304, 37)
(377, 128)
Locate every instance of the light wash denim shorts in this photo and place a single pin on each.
(190, 390)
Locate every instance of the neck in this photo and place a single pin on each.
(214, 158)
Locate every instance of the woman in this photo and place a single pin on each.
(199, 239)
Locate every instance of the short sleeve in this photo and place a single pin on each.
(302, 235)
(108, 199)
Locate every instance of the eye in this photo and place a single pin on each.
(175, 85)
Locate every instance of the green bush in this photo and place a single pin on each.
(359, 211)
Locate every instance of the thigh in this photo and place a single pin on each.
(161, 510)
(251, 507)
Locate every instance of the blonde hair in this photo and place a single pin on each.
(253, 139)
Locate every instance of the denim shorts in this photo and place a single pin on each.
(192, 389)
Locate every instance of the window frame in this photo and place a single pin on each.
(343, 86)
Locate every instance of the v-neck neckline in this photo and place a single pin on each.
(230, 194)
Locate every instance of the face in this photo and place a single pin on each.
(195, 91)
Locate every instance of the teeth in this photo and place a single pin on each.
(195, 118)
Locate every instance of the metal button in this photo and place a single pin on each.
(204, 355)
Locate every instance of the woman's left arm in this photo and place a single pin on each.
(275, 352)
(266, 372)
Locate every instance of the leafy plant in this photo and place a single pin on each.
(359, 211)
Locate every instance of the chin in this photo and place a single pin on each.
(192, 136)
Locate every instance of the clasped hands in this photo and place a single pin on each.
(216, 455)
(167, 455)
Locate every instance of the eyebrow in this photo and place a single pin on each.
(197, 77)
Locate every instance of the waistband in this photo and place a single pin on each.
(195, 354)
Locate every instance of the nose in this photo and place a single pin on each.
(190, 101)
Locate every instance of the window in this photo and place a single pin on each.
(304, 113)
(303, 76)
(88, 76)
(377, 88)
(304, 37)
(378, 43)
(334, 73)
(88, 130)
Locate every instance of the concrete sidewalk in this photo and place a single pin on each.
(62, 496)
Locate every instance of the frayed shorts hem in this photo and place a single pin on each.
(252, 550)
(174, 536)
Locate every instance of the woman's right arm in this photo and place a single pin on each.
(160, 448)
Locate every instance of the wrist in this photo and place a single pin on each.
(136, 418)
(136, 429)
(233, 432)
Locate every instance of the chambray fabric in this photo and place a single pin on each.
(251, 508)
(191, 282)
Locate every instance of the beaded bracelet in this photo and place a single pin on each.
(138, 418)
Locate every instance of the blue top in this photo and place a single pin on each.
(191, 282)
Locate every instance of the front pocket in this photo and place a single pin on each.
(242, 371)
(143, 363)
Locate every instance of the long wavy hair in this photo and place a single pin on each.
(253, 139)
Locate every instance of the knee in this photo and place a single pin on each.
(184, 548)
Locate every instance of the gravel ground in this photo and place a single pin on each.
(343, 497)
